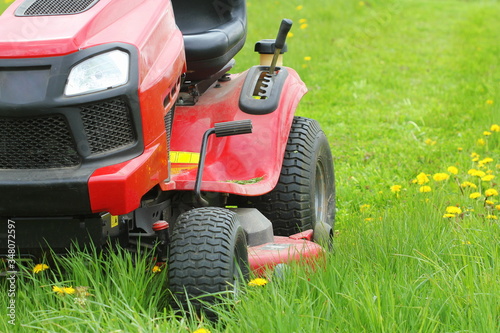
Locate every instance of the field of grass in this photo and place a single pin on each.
(408, 94)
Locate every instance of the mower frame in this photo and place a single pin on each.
(120, 163)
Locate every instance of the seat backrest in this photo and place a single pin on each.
(198, 16)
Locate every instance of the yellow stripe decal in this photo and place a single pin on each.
(184, 157)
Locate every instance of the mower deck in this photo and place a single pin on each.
(283, 250)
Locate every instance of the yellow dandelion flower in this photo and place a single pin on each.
(369, 219)
(453, 210)
(304, 26)
(490, 192)
(468, 184)
(489, 102)
(258, 282)
(396, 188)
(63, 290)
(486, 133)
(69, 290)
(481, 142)
(475, 195)
(364, 207)
(58, 290)
(474, 155)
(441, 176)
(430, 142)
(302, 20)
(460, 149)
(307, 58)
(422, 178)
(488, 178)
(476, 173)
(156, 269)
(40, 268)
(447, 216)
(299, 7)
(495, 128)
(486, 160)
(201, 330)
(489, 202)
(453, 170)
(492, 217)
(425, 189)
(497, 207)
(290, 34)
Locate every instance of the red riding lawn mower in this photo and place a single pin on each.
(119, 124)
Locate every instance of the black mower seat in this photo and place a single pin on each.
(214, 31)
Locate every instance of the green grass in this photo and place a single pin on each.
(400, 87)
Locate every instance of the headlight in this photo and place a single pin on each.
(101, 72)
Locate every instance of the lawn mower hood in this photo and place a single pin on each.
(86, 89)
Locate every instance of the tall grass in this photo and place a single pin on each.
(400, 88)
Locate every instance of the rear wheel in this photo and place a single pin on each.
(304, 197)
(208, 255)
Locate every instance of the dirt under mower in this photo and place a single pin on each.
(120, 124)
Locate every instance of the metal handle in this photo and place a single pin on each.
(233, 128)
(220, 129)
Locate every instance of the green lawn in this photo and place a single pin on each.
(401, 88)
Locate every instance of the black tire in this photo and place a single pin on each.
(208, 255)
(304, 197)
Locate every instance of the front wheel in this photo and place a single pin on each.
(304, 197)
(208, 255)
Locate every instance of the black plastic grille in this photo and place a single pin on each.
(57, 7)
(107, 125)
(36, 143)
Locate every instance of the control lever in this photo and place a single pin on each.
(228, 128)
(285, 26)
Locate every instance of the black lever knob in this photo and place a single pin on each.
(233, 128)
(285, 26)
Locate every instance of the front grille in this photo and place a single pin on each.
(108, 125)
(36, 143)
(55, 7)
